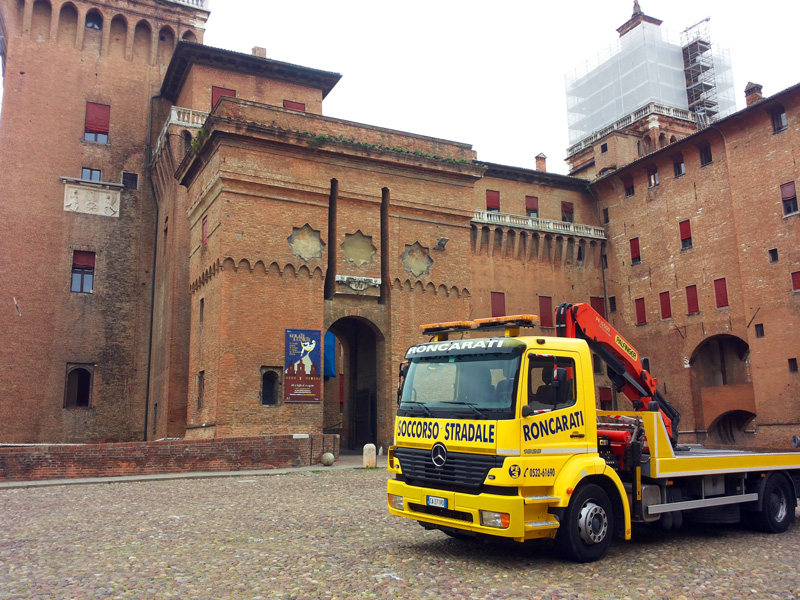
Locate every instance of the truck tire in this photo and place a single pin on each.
(587, 528)
(777, 506)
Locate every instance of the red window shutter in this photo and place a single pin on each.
(567, 207)
(218, 92)
(532, 203)
(545, 311)
(788, 191)
(294, 105)
(605, 394)
(98, 117)
(692, 305)
(498, 304)
(686, 229)
(721, 292)
(492, 200)
(205, 231)
(666, 306)
(599, 305)
(82, 260)
(635, 249)
(796, 281)
(641, 315)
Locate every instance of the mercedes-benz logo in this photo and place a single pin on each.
(438, 455)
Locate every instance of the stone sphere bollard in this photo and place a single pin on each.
(370, 459)
(327, 459)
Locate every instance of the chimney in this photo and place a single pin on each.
(259, 51)
(541, 162)
(752, 93)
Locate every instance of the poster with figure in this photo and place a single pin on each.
(303, 373)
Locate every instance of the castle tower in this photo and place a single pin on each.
(78, 211)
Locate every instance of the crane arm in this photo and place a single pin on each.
(625, 369)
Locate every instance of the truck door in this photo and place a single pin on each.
(553, 420)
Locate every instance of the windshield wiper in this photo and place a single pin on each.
(424, 408)
(472, 406)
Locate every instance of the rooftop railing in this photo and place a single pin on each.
(183, 117)
(201, 4)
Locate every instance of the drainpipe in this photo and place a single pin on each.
(153, 271)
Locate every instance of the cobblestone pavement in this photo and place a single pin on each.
(327, 535)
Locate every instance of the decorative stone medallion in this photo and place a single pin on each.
(306, 243)
(358, 248)
(416, 260)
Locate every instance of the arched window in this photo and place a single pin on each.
(94, 20)
(79, 386)
(269, 386)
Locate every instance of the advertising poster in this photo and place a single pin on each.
(303, 375)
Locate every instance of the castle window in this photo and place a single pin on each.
(94, 20)
(605, 398)
(545, 311)
(627, 183)
(686, 234)
(646, 364)
(567, 212)
(218, 92)
(652, 176)
(90, 174)
(599, 305)
(666, 305)
(779, 120)
(269, 386)
(532, 206)
(705, 154)
(692, 305)
(492, 200)
(759, 330)
(201, 388)
(498, 304)
(597, 364)
(612, 304)
(78, 392)
(604, 148)
(789, 198)
(130, 181)
(773, 255)
(82, 272)
(793, 365)
(678, 165)
(721, 292)
(294, 105)
(205, 231)
(98, 117)
(605, 216)
(636, 255)
(641, 313)
(202, 312)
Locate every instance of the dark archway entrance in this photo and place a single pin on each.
(722, 389)
(355, 394)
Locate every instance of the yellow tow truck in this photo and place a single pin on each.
(499, 436)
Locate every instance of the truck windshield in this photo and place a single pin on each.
(468, 386)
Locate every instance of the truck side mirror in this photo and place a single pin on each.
(527, 411)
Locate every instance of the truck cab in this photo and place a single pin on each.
(494, 434)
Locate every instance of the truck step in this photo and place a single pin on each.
(530, 525)
(541, 499)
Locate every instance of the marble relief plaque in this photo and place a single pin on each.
(91, 201)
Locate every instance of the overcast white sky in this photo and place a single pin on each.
(490, 74)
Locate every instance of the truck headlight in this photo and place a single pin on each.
(396, 502)
(495, 519)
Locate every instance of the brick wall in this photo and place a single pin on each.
(37, 463)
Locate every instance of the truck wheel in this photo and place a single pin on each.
(588, 525)
(775, 515)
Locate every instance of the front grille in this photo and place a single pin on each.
(461, 472)
(441, 512)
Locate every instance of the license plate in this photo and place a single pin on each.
(437, 502)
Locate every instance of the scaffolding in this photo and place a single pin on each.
(643, 66)
(707, 69)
